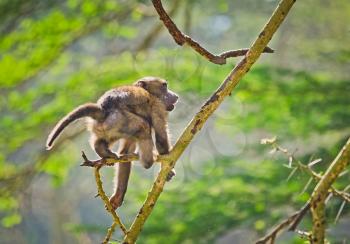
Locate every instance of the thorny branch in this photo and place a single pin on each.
(320, 193)
(293, 221)
(225, 89)
(304, 167)
(181, 39)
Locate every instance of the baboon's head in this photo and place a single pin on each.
(159, 88)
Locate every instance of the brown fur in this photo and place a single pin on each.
(129, 114)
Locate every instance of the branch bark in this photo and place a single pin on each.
(205, 112)
(321, 191)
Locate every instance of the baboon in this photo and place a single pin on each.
(127, 114)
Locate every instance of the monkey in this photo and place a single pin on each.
(128, 114)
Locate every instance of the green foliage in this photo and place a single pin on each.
(11, 220)
(306, 104)
(9, 205)
(38, 42)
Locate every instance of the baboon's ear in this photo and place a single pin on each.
(141, 83)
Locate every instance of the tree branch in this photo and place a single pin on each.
(320, 193)
(205, 112)
(181, 39)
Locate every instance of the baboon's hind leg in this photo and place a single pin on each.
(122, 173)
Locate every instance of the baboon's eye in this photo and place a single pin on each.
(165, 84)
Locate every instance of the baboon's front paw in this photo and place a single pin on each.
(171, 174)
(116, 201)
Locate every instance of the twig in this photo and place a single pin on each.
(291, 222)
(181, 39)
(205, 112)
(121, 159)
(109, 207)
(108, 161)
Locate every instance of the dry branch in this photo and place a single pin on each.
(181, 39)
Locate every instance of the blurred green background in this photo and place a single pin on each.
(55, 55)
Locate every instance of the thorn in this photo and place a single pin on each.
(84, 156)
(97, 195)
(269, 50)
(316, 161)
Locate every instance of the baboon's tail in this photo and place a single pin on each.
(87, 110)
